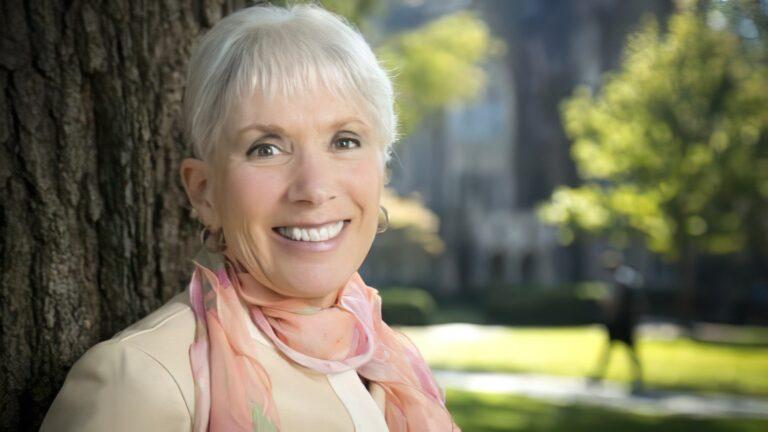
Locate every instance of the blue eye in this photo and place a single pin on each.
(347, 143)
(263, 150)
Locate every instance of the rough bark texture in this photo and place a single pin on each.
(94, 224)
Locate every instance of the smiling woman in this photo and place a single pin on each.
(291, 119)
(318, 166)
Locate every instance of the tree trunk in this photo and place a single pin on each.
(94, 225)
(689, 288)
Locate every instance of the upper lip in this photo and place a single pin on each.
(310, 224)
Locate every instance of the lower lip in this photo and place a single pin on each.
(310, 246)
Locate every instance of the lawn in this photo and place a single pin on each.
(475, 412)
(679, 363)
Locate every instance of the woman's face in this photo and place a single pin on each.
(307, 168)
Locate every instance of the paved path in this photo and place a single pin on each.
(607, 394)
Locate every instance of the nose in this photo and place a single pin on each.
(312, 181)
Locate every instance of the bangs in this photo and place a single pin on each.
(283, 65)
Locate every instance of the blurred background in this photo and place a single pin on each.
(579, 208)
(578, 233)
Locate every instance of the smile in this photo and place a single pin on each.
(311, 234)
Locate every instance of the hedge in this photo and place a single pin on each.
(407, 306)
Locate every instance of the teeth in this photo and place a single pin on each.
(326, 232)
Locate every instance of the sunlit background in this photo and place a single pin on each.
(540, 137)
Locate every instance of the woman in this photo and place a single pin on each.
(291, 120)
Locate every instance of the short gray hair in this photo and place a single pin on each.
(282, 51)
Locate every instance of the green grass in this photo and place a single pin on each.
(476, 412)
(671, 364)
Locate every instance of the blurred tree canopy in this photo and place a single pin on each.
(419, 224)
(353, 10)
(438, 64)
(674, 147)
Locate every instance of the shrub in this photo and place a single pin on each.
(407, 306)
(536, 305)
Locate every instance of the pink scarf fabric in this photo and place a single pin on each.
(233, 391)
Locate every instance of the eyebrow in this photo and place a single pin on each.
(273, 128)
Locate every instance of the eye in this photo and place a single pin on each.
(263, 150)
(346, 143)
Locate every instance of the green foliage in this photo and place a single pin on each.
(438, 64)
(412, 222)
(485, 412)
(406, 306)
(675, 145)
(353, 10)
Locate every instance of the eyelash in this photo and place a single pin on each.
(255, 147)
(356, 141)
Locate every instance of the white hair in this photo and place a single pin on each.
(282, 52)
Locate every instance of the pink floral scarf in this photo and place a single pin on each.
(233, 391)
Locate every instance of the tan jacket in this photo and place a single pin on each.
(141, 380)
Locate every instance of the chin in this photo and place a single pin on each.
(312, 282)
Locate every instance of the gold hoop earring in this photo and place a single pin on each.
(383, 227)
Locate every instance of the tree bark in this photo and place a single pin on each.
(689, 286)
(94, 225)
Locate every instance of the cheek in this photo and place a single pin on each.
(366, 180)
(249, 193)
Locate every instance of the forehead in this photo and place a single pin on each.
(316, 108)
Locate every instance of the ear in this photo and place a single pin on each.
(195, 176)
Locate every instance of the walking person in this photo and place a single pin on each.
(621, 313)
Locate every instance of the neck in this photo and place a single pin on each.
(325, 301)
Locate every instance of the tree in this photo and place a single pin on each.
(674, 148)
(93, 219)
(418, 225)
(438, 64)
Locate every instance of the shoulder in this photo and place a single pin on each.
(165, 336)
(175, 317)
(140, 378)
